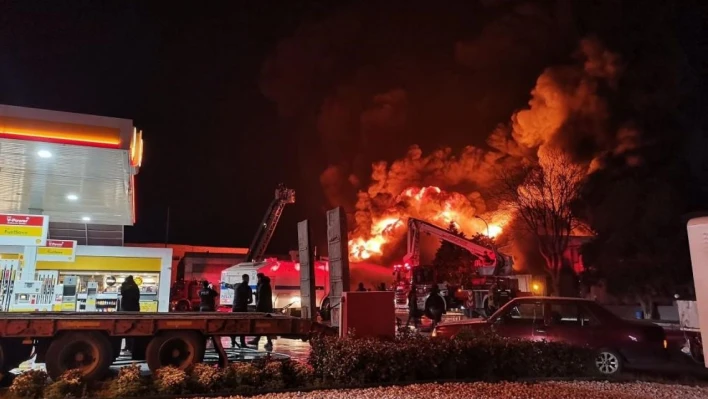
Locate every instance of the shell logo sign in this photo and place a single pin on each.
(136, 149)
(25, 230)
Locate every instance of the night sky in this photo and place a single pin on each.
(235, 97)
(188, 77)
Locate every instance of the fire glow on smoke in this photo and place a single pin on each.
(430, 204)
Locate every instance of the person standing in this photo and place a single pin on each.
(259, 279)
(207, 295)
(361, 288)
(129, 295)
(434, 305)
(469, 304)
(243, 296)
(412, 306)
(129, 302)
(264, 303)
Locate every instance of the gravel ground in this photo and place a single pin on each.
(545, 390)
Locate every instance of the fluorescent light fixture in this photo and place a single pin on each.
(72, 197)
(44, 154)
(86, 219)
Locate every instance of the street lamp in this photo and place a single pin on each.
(485, 223)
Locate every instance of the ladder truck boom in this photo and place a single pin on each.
(256, 250)
(488, 258)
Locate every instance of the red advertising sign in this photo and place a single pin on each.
(57, 251)
(25, 230)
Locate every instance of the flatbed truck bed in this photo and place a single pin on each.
(92, 341)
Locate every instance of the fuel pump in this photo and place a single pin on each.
(68, 303)
(91, 293)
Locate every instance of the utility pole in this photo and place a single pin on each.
(167, 227)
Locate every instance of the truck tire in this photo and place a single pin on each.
(89, 351)
(12, 353)
(180, 349)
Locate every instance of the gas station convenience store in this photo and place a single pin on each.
(67, 189)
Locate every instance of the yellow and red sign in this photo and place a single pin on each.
(57, 251)
(136, 149)
(26, 230)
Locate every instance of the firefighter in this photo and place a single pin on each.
(491, 299)
(469, 304)
(412, 307)
(207, 295)
(435, 305)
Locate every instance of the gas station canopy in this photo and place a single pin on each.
(77, 169)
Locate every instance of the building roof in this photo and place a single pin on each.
(77, 169)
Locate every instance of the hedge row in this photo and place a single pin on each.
(334, 362)
(238, 378)
(415, 358)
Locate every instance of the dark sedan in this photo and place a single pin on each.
(577, 322)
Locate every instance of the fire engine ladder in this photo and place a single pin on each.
(283, 196)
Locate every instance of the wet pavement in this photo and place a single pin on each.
(282, 349)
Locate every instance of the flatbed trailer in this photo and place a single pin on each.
(92, 341)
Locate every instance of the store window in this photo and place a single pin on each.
(108, 289)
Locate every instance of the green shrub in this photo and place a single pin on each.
(411, 357)
(169, 381)
(128, 384)
(205, 378)
(71, 384)
(272, 376)
(29, 385)
(298, 374)
(241, 376)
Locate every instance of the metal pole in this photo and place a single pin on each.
(167, 227)
(485, 223)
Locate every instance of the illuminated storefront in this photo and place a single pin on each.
(77, 174)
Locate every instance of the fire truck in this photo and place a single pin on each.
(256, 251)
(184, 295)
(494, 272)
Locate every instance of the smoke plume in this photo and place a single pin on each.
(471, 89)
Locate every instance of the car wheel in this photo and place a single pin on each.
(608, 362)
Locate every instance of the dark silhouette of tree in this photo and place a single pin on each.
(542, 197)
(640, 249)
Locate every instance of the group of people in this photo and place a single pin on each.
(243, 296)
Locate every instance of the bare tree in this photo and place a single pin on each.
(541, 196)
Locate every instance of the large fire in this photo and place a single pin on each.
(430, 204)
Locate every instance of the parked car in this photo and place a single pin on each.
(574, 321)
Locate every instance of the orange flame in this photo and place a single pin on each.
(430, 204)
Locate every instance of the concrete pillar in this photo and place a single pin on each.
(338, 260)
(308, 295)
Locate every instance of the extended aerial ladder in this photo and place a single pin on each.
(490, 263)
(283, 196)
(489, 260)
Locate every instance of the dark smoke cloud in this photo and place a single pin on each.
(380, 79)
(452, 84)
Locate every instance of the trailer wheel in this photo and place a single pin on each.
(90, 352)
(12, 353)
(180, 349)
(183, 306)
